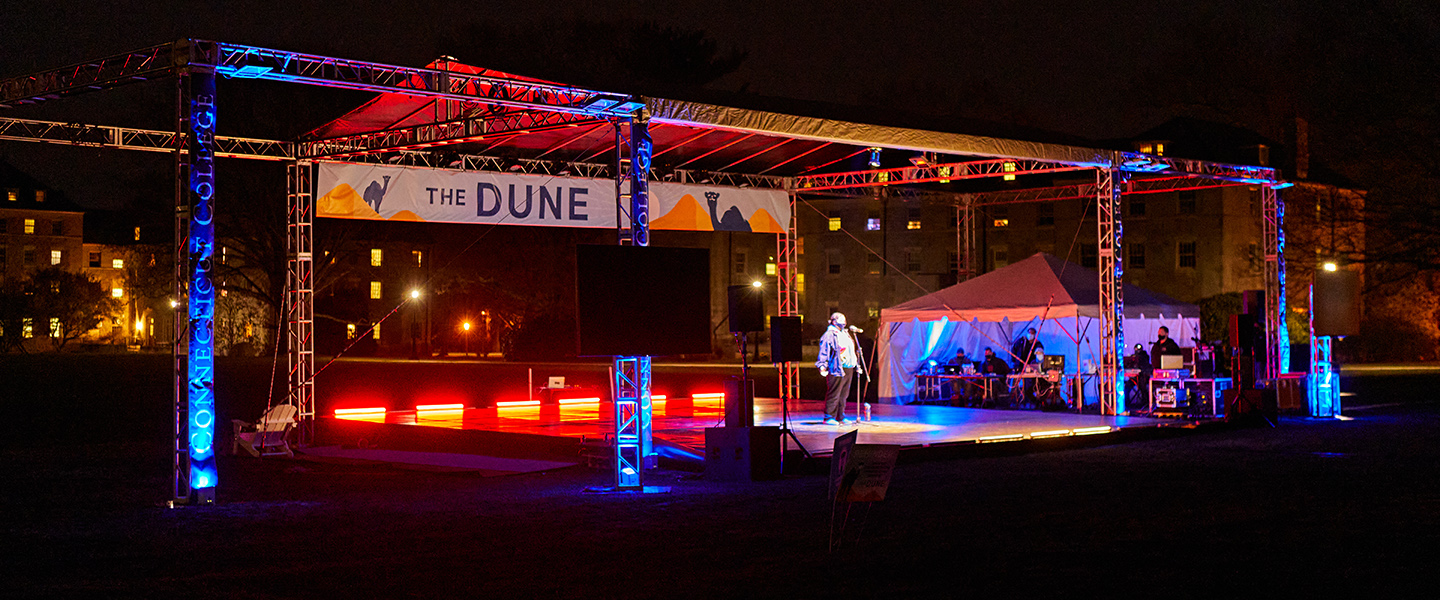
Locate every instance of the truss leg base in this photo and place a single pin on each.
(610, 489)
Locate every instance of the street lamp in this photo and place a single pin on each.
(466, 327)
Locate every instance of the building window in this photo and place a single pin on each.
(1044, 215)
(1137, 206)
(1009, 169)
(912, 260)
(872, 310)
(27, 328)
(2, 260)
(1157, 149)
(56, 257)
(1137, 256)
(800, 246)
(12, 195)
(137, 234)
(872, 263)
(1186, 253)
(832, 262)
(28, 255)
(770, 269)
(1187, 202)
(374, 290)
(376, 256)
(39, 195)
(375, 332)
(999, 256)
(419, 258)
(913, 222)
(1089, 256)
(54, 327)
(799, 283)
(834, 220)
(954, 259)
(117, 291)
(30, 226)
(57, 228)
(117, 263)
(95, 259)
(739, 263)
(872, 223)
(349, 331)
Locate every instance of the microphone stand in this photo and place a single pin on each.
(865, 368)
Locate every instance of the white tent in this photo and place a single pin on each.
(1058, 298)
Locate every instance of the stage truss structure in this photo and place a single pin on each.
(500, 109)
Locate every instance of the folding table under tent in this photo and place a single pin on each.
(1059, 299)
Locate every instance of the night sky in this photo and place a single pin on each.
(1098, 70)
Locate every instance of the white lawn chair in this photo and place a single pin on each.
(266, 438)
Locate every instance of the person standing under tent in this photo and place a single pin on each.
(1023, 350)
(839, 361)
(1163, 346)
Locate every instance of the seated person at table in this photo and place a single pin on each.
(964, 392)
(994, 367)
(1139, 385)
(1030, 387)
(961, 360)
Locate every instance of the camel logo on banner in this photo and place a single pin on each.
(355, 191)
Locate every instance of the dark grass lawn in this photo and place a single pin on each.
(1306, 509)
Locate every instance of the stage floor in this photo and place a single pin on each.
(683, 422)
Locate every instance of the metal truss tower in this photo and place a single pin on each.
(1277, 337)
(197, 116)
(1323, 388)
(1109, 183)
(965, 238)
(634, 447)
(299, 304)
(787, 264)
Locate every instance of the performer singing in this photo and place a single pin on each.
(838, 363)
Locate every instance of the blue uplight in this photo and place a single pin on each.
(200, 247)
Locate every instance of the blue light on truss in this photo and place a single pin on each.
(200, 246)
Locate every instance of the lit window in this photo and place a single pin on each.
(882, 176)
(945, 173)
(137, 234)
(872, 263)
(56, 256)
(376, 255)
(350, 331)
(28, 328)
(117, 292)
(912, 224)
(1002, 222)
(1159, 149)
(12, 194)
(914, 221)
(39, 195)
(770, 269)
(117, 263)
(95, 259)
(800, 247)
(375, 331)
(1009, 167)
(872, 224)
(834, 220)
(872, 310)
(1186, 254)
(30, 226)
(799, 283)
(419, 258)
(374, 290)
(1137, 256)
(54, 327)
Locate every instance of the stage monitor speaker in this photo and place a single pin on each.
(747, 308)
(1337, 302)
(741, 453)
(785, 340)
(1245, 331)
(739, 402)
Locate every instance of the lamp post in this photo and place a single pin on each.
(488, 341)
(466, 327)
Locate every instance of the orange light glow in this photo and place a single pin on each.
(1091, 430)
(1001, 438)
(515, 403)
(657, 397)
(711, 396)
(377, 410)
(580, 401)
(440, 407)
(1047, 434)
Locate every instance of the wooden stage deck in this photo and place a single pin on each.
(683, 422)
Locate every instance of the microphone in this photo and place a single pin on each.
(856, 329)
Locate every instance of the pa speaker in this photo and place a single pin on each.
(785, 339)
(1245, 331)
(747, 309)
(1337, 302)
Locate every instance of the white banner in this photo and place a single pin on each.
(362, 191)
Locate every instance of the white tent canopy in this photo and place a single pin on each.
(1058, 298)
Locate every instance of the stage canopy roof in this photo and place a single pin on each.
(1040, 286)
